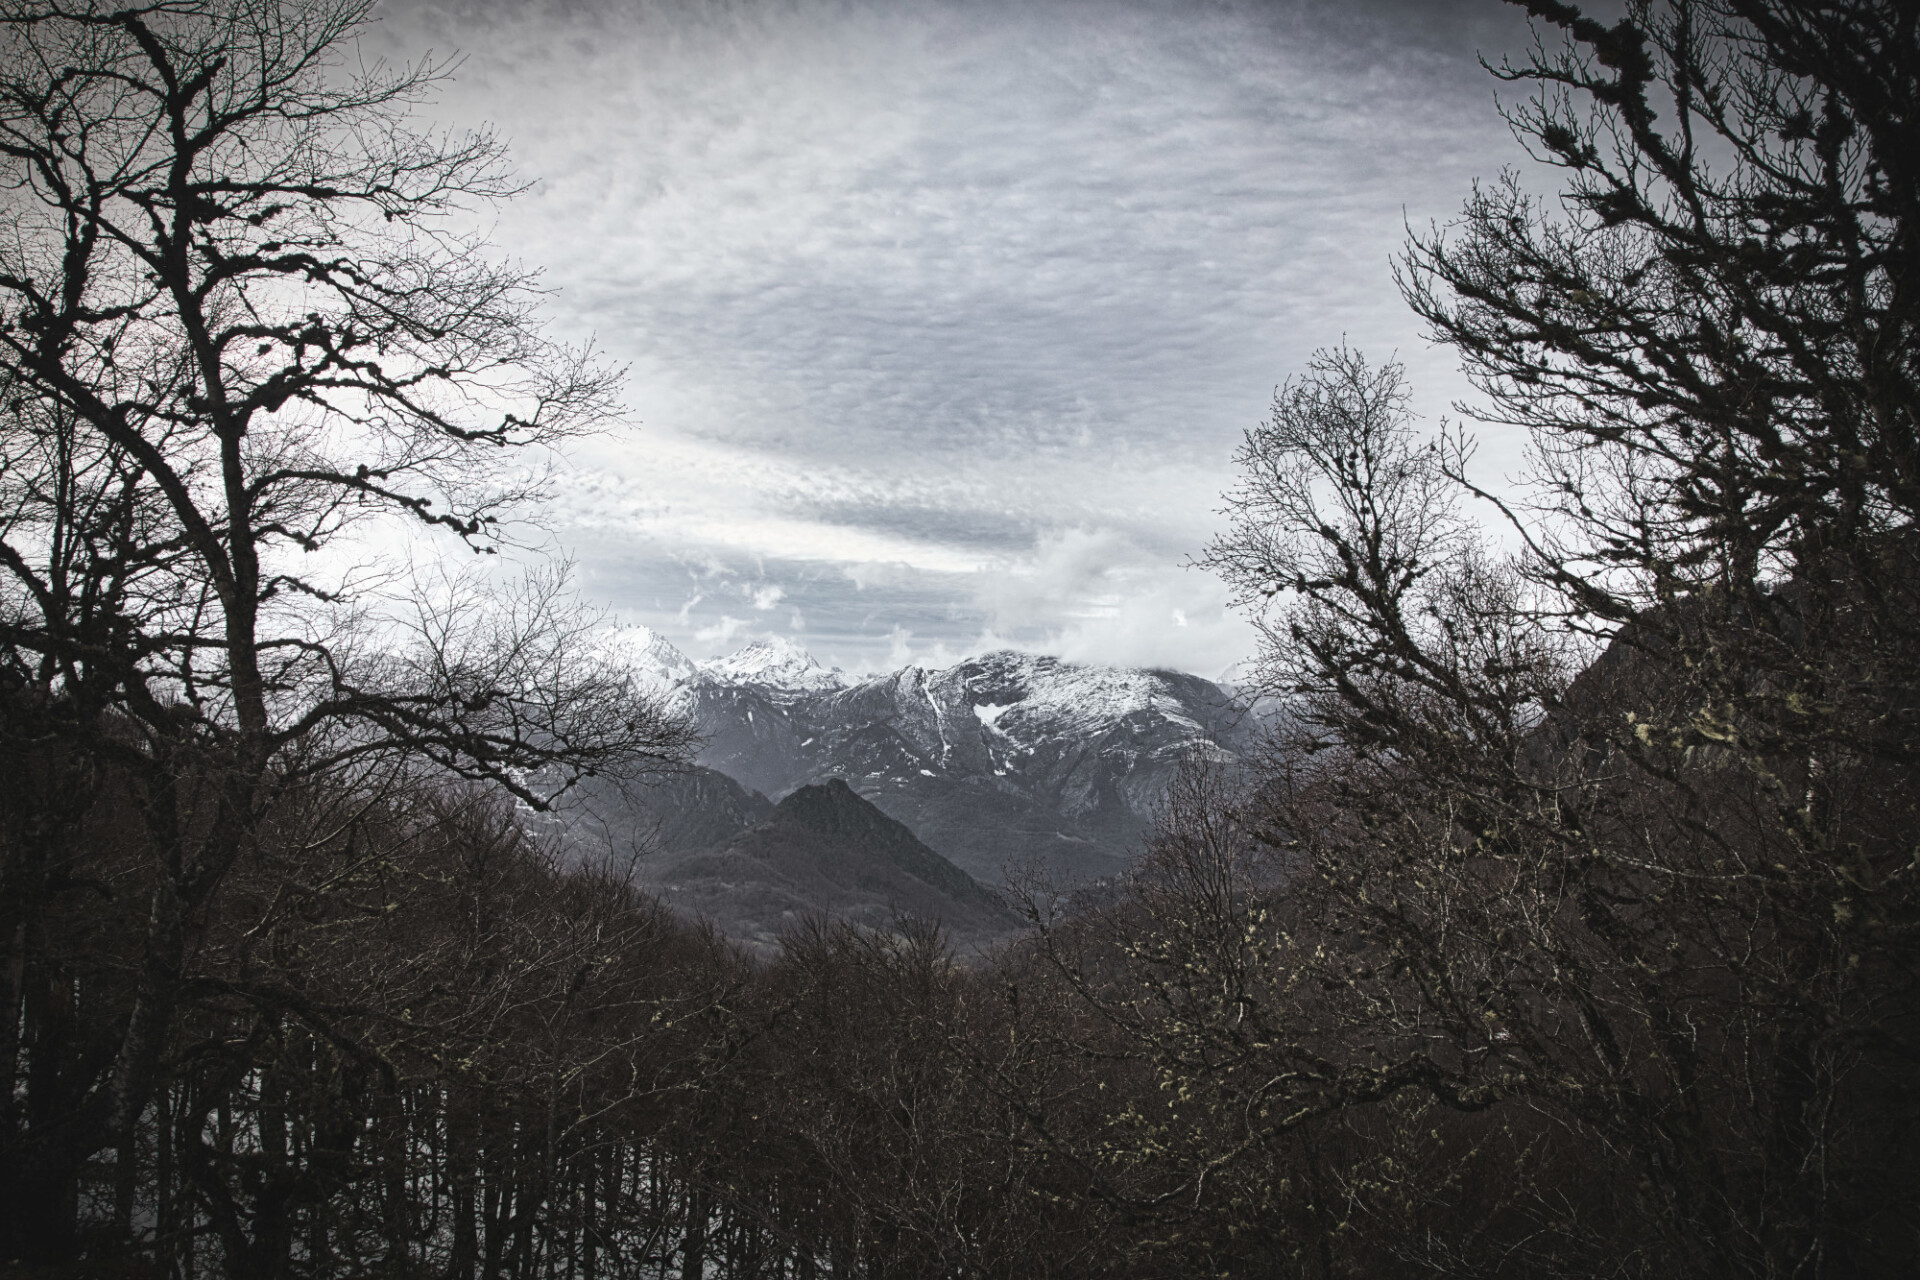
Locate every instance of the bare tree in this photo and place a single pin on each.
(1378, 601)
(1647, 916)
(1712, 341)
(239, 327)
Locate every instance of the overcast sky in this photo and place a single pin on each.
(944, 319)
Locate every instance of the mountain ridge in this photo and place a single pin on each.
(1006, 761)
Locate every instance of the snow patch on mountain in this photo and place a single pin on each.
(987, 713)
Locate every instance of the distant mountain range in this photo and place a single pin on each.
(1002, 764)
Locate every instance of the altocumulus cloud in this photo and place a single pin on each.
(944, 319)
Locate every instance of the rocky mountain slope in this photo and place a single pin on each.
(1004, 762)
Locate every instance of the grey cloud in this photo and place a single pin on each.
(964, 277)
(985, 530)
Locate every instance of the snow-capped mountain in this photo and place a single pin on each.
(775, 665)
(1001, 762)
(647, 653)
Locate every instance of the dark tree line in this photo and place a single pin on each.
(1565, 927)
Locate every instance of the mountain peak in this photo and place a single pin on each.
(775, 662)
(836, 812)
(646, 653)
(1066, 692)
(832, 808)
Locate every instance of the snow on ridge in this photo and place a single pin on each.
(1081, 693)
(775, 662)
(1003, 686)
(653, 660)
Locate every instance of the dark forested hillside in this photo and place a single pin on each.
(823, 852)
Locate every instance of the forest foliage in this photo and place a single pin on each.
(1565, 926)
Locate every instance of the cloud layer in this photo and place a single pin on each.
(944, 319)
